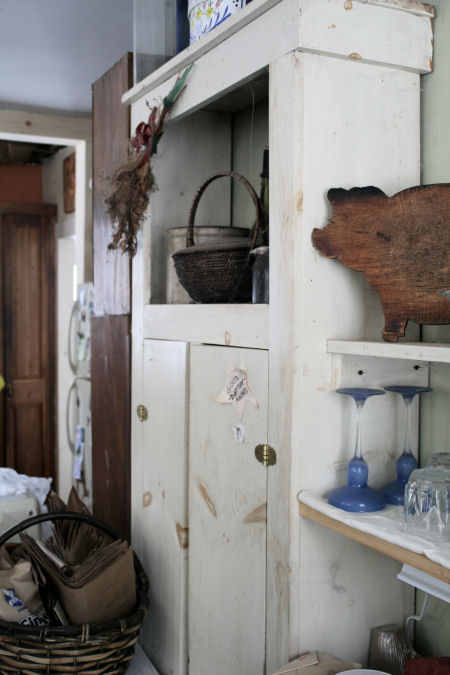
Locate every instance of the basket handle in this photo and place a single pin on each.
(58, 515)
(200, 191)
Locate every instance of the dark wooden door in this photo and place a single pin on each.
(27, 338)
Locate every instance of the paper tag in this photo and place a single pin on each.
(79, 453)
(236, 390)
(238, 434)
(82, 347)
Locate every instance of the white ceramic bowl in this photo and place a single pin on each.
(362, 671)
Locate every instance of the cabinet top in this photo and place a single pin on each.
(243, 46)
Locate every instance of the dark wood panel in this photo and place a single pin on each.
(28, 338)
(111, 130)
(110, 401)
(21, 183)
(29, 438)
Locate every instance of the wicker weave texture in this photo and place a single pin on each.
(216, 276)
(89, 649)
(214, 273)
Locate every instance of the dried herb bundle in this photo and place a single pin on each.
(133, 182)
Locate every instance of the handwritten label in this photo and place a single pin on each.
(236, 390)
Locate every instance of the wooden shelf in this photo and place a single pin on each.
(416, 351)
(230, 325)
(403, 555)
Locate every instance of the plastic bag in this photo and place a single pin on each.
(19, 595)
(13, 483)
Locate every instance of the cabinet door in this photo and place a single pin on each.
(227, 516)
(163, 510)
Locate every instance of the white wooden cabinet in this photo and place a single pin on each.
(342, 84)
(227, 516)
(161, 485)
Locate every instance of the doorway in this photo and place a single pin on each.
(62, 135)
(27, 332)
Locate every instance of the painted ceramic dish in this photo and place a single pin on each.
(206, 15)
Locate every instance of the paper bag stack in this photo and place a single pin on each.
(82, 568)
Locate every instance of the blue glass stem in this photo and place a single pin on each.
(358, 471)
(408, 400)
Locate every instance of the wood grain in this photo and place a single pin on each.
(69, 183)
(27, 331)
(110, 401)
(400, 243)
(403, 555)
(111, 130)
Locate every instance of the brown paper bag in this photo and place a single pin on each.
(110, 595)
(101, 589)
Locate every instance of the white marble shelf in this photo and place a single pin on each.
(381, 531)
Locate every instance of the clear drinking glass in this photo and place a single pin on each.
(356, 496)
(426, 509)
(260, 275)
(154, 35)
(440, 460)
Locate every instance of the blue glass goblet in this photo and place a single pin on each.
(356, 496)
(406, 463)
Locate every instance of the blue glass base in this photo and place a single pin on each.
(357, 499)
(394, 492)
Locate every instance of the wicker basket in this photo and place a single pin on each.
(220, 271)
(87, 649)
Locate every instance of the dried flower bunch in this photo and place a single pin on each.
(133, 182)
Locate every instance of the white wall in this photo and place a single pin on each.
(73, 232)
(73, 248)
(66, 260)
(53, 193)
(433, 632)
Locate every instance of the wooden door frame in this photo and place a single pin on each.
(48, 261)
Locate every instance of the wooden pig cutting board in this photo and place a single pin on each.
(401, 244)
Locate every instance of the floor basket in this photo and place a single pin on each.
(87, 649)
(219, 271)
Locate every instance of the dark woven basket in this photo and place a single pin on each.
(220, 271)
(89, 648)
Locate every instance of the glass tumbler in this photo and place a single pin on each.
(426, 509)
(440, 460)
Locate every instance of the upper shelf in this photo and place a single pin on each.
(234, 53)
(416, 351)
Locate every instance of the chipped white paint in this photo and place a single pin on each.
(334, 121)
(335, 114)
(439, 353)
(230, 325)
(413, 6)
(379, 34)
(227, 525)
(373, 31)
(164, 517)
